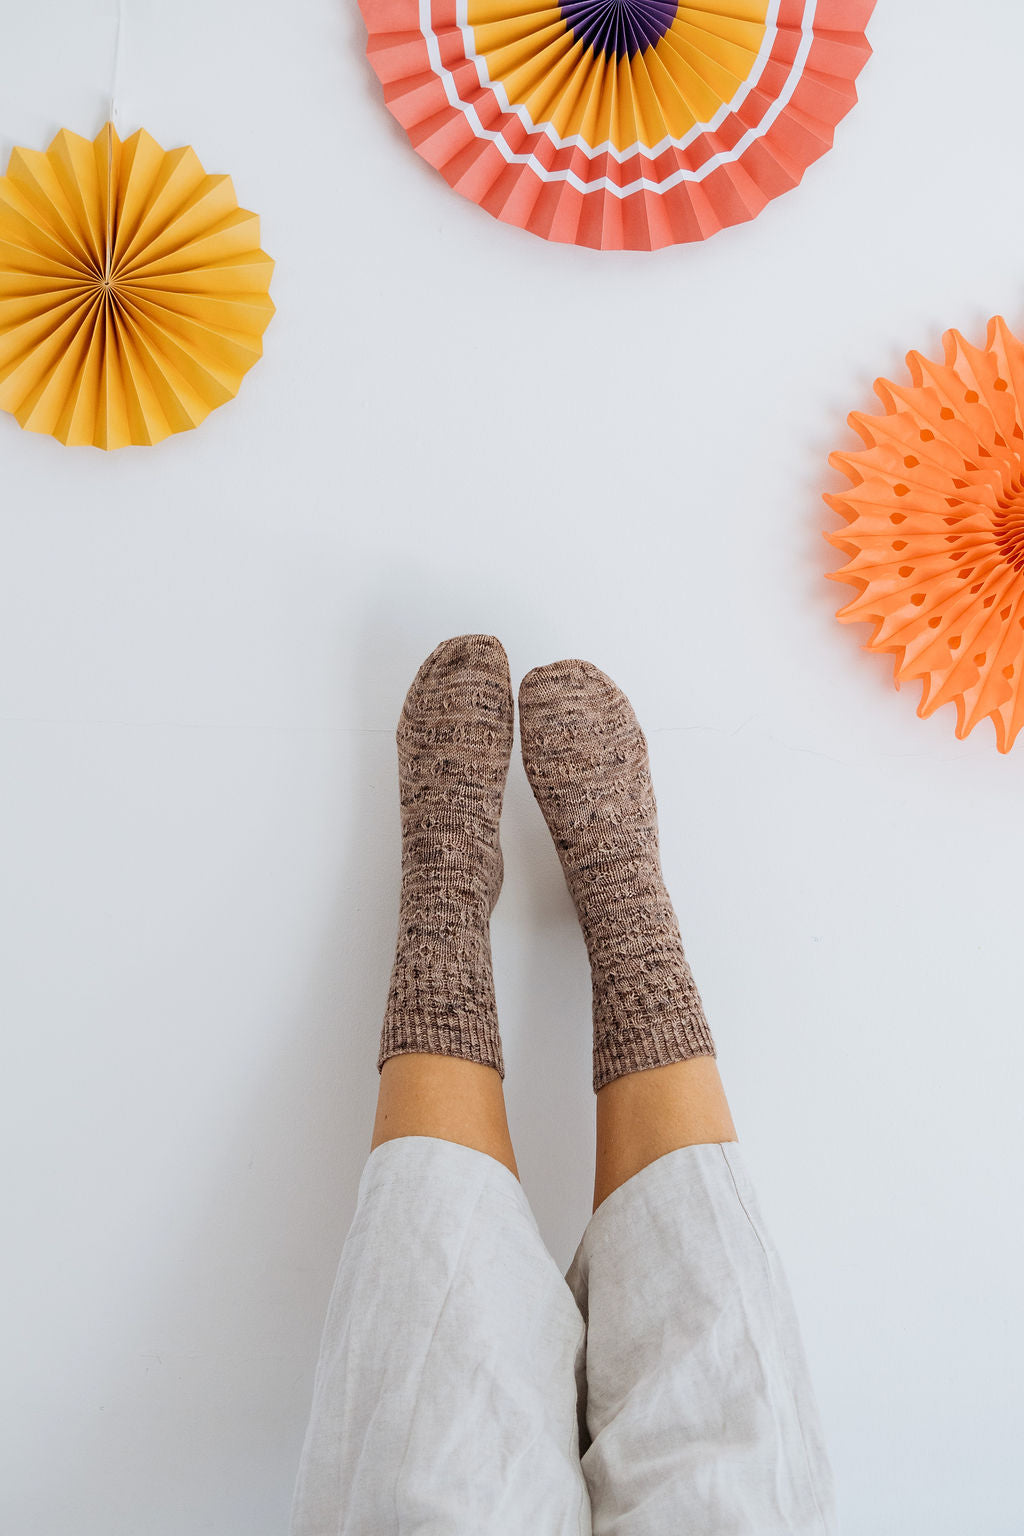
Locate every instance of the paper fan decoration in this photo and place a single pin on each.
(935, 529)
(622, 124)
(133, 291)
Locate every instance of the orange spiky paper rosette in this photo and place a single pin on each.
(619, 124)
(935, 529)
(133, 290)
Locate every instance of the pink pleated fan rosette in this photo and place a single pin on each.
(619, 124)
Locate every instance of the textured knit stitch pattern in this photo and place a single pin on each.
(586, 758)
(454, 744)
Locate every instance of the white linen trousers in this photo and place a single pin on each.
(465, 1387)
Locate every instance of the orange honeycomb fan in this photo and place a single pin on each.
(935, 529)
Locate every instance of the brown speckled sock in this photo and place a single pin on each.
(586, 758)
(454, 745)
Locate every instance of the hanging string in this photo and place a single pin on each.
(111, 130)
(117, 62)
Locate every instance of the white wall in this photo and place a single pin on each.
(457, 426)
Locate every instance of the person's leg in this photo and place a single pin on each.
(654, 1070)
(440, 1060)
(643, 1115)
(698, 1412)
(445, 1395)
(447, 1097)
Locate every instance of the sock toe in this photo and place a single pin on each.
(464, 685)
(483, 654)
(573, 719)
(572, 684)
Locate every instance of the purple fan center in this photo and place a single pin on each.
(619, 28)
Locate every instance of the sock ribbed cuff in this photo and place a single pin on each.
(656, 1043)
(443, 1031)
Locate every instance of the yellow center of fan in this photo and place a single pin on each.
(133, 290)
(624, 72)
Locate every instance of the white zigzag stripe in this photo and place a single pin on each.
(603, 184)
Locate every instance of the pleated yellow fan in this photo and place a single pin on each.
(133, 290)
(636, 70)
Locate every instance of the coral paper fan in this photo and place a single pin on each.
(622, 124)
(935, 529)
(133, 291)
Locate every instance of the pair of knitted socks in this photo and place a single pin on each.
(586, 759)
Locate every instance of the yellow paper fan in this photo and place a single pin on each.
(133, 290)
